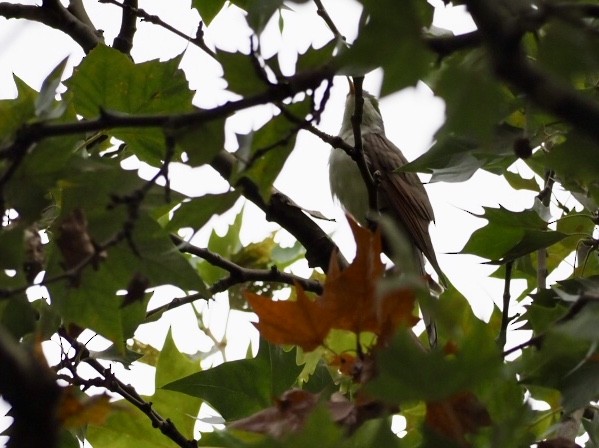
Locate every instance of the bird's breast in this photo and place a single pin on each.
(347, 184)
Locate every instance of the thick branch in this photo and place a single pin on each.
(445, 45)
(31, 389)
(124, 41)
(280, 209)
(54, 15)
(131, 8)
(502, 36)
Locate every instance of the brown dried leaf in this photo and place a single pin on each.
(292, 409)
(287, 415)
(457, 416)
(74, 242)
(35, 256)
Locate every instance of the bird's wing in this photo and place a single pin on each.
(402, 193)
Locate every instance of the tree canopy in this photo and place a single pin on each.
(87, 245)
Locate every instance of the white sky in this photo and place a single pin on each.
(412, 116)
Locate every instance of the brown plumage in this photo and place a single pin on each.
(402, 195)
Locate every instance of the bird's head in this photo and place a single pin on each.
(372, 121)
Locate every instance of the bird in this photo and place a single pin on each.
(400, 195)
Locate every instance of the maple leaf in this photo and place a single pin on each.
(302, 322)
(351, 301)
(353, 293)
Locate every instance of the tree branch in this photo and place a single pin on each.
(124, 41)
(358, 151)
(505, 311)
(240, 274)
(322, 12)
(280, 209)
(131, 8)
(445, 45)
(30, 388)
(128, 392)
(502, 35)
(56, 16)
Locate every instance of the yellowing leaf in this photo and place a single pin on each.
(77, 409)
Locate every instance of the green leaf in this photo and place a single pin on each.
(264, 152)
(202, 142)
(46, 106)
(576, 164)
(94, 303)
(259, 12)
(108, 79)
(510, 235)
(17, 316)
(456, 158)
(208, 9)
(239, 388)
(172, 364)
(375, 433)
(314, 58)
(416, 378)
(15, 113)
(47, 162)
(226, 246)
(12, 247)
(130, 427)
(240, 72)
(391, 39)
(517, 182)
(475, 102)
(196, 212)
(567, 51)
(113, 354)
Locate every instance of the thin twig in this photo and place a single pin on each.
(358, 151)
(544, 197)
(322, 12)
(505, 312)
(128, 392)
(240, 274)
(154, 19)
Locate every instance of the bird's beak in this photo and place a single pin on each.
(351, 85)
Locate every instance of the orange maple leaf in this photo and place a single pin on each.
(302, 322)
(350, 301)
(354, 295)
